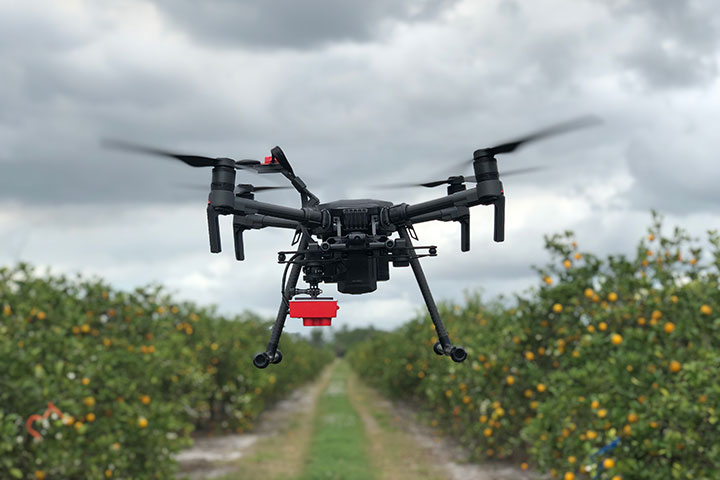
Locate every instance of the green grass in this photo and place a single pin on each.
(338, 448)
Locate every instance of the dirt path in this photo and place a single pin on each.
(275, 448)
(400, 447)
(404, 449)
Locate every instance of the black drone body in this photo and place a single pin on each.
(351, 243)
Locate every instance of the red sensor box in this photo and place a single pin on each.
(315, 312)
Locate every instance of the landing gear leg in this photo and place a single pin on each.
(271, 353)
(443, 346)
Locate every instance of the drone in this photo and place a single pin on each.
(349, 242)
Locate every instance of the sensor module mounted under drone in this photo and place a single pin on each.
(349, 242)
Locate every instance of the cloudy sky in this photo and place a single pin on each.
(358, 94)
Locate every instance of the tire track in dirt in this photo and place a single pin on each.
(276, 448)
(403, 448)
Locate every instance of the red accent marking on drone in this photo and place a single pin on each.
(317, 312)
(33, 418)
(269, 160)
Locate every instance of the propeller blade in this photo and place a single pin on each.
(192, 160)
(436, 183)
(462, 178)
(248, 188)
(567, 126)
(241, 188)
(262, 188)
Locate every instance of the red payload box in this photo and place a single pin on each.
(315, 312)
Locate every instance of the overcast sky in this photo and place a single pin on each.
(358, 94)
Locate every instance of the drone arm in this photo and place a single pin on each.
(446, 215)
(302, 215)
(485, 192)
(257, 222)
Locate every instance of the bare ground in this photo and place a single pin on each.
(420, 452)
(401, 446)
(275, 448)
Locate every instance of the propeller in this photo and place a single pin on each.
(508, 147)
(192, 160)
(461, 179)
(241, 188)
(557, 129)
(247, 188)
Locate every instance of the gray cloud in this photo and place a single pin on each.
(397, 96)
(293, 25)
(678, 47)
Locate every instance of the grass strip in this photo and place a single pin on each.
(338, 448)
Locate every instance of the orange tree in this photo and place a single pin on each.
(131, 373)
(618, 353)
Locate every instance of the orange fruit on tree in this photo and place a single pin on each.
(632, 417)
(706, 310)
(669, 327)
(613, 297)
(142, 422)
(569, 476)
(557, 308)
(567, 264)
(675, 366)
(616, 339)
(608, 463)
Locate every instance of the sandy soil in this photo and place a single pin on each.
(441, 457)
(212, 457)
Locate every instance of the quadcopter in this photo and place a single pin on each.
(349, 242)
